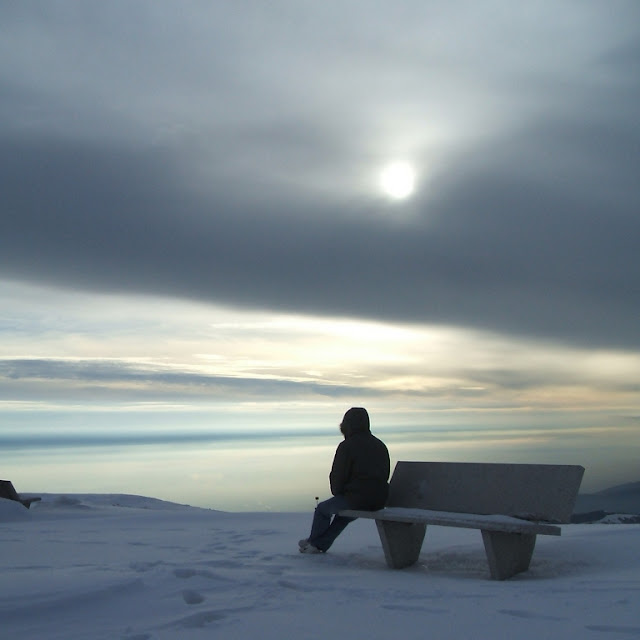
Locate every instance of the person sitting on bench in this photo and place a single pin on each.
(358, 479)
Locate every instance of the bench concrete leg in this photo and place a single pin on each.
(401, 542)
(508, 553)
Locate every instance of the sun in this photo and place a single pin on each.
(398, 180)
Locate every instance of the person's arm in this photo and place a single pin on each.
(338, 476)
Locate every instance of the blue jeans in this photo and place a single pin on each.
(324, 529)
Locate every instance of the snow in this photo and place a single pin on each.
(620, 518)
(136, 568)
(494, 522)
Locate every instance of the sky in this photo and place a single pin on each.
(200, 272)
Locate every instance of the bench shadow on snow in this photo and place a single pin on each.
(466, 563)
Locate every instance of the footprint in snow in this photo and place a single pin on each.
(521, 613)
(192, 597)
(184, 573)
(609, 628)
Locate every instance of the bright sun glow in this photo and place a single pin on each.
(398, 180)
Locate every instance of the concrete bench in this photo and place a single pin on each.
(510, 503)
(7, 491)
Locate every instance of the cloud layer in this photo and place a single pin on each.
(228, 154)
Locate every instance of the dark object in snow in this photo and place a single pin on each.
(7, 491)
(509, 503)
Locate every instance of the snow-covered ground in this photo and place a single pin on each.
(124, 567)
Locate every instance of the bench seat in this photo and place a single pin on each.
(506, 524)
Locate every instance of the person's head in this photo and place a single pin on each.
(356, 420)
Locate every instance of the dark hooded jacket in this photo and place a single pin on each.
(361, 465)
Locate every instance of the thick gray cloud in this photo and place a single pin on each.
(223, 153)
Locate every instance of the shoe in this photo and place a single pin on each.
(309, 548)
(303, 543)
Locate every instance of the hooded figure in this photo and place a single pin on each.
(358, 480)
(361, 466)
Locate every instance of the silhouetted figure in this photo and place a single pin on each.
(359, 480)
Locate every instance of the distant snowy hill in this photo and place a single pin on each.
(621, 499)
(88, 500)
(98, 504)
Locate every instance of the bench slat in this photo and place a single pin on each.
(506, 524)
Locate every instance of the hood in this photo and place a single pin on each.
(356, 420)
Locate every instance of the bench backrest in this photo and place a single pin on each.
(532, 491)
